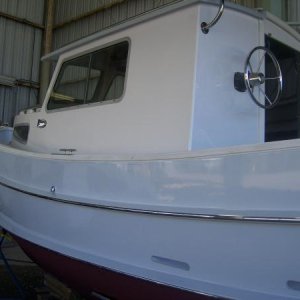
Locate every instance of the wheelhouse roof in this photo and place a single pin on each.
(166, 9)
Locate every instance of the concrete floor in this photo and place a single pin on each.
(29, 275)
(14, 253)
(34, 282)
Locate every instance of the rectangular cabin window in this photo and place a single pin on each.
(94, 77)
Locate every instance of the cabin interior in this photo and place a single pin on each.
(283, 121)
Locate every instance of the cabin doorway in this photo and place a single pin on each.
(283, 121)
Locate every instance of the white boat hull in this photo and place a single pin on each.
(5, 134)
(181, 221)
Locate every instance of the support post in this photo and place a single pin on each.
(48, 36)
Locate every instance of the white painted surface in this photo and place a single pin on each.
(222, 115)
(5, 134)
(155, 112)
(235, 259)
(240, 260)
(179, 91)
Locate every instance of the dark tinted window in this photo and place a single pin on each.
(94, 77)
(21, 133)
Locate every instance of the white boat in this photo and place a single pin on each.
(165, 160)
(5, 134)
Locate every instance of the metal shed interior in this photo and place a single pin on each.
(30, 29)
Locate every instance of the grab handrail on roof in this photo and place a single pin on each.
(205, 27)
(168, 8)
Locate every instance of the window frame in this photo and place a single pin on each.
(91, 52)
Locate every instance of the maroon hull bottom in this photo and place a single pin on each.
(90, 280)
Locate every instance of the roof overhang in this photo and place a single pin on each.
(166, 9)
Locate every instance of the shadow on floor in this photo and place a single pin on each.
(36, 285)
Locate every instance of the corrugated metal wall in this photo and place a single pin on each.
(72, 23)
(249, 3)
(292, 13)
(21, 23)
(288, 10)
(75, 19)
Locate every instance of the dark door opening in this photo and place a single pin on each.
(283, 121)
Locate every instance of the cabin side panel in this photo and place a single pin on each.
(155, 111)
(222, 116)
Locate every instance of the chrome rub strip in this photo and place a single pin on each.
(218, 217)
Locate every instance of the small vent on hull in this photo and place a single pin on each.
(171, 263)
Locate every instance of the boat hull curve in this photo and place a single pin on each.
(184, 222)
(93, 281)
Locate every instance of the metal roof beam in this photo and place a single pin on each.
(21, 20)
